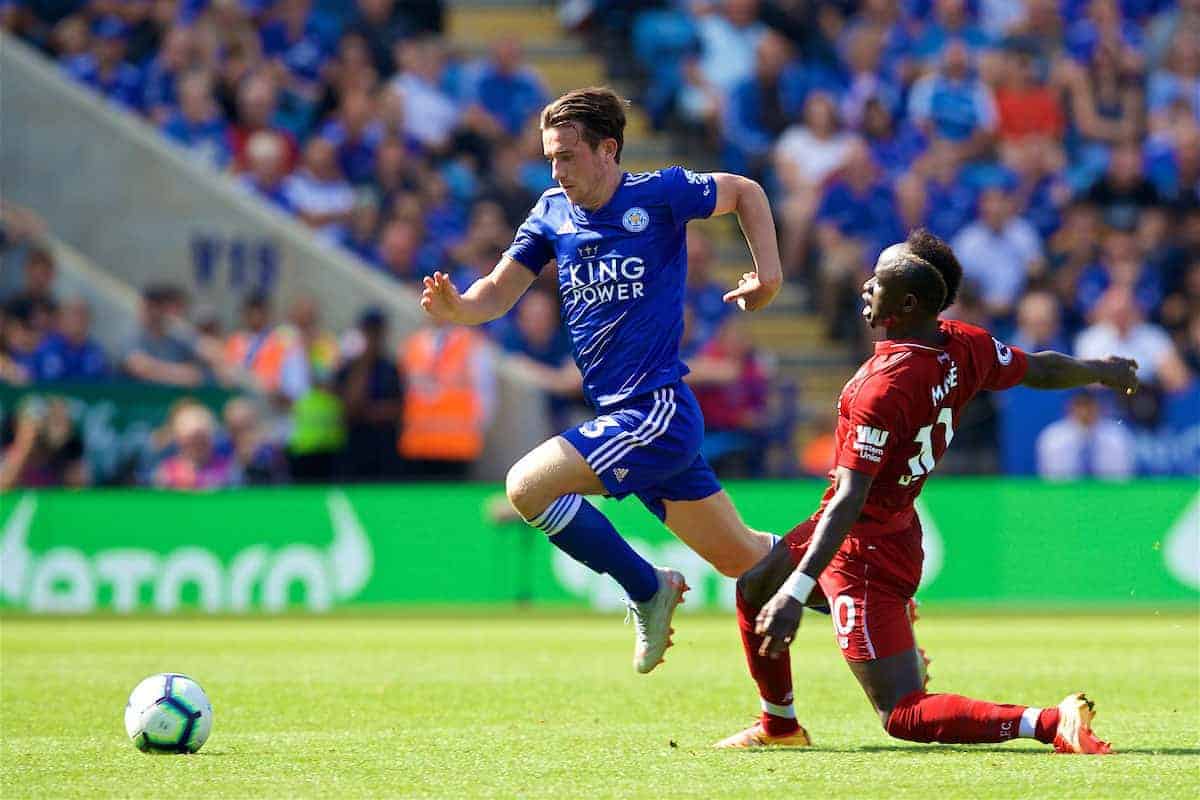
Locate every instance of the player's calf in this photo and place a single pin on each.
(954, 719)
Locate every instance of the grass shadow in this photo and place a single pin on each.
(885, 748)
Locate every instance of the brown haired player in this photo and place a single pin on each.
(861, 551)
(617, 241)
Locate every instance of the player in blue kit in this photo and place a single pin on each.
(617, 240)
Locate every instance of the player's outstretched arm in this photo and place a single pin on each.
(1051, 370)
(780, 617)
(747, 199)
(488, 298)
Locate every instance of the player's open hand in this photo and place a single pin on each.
(1120, 374)
(439, 298)
(777, 623)
(751, 293)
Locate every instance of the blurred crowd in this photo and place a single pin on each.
(1055, 143)
(297, 402)
(356, 118)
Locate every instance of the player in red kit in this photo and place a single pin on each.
(861, 554)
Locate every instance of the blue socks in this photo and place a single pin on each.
(576, 527)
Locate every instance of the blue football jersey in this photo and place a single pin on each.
(621, 274)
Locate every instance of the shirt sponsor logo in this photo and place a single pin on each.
(869, 442)
(636, 220)
(603, 280)
(1003, 353)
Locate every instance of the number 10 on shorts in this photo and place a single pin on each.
(843, 619)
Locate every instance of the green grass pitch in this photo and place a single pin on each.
(547, 705)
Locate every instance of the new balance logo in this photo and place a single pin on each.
(869, 442)
(619, 473)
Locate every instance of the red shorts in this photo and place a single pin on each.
(868, 584)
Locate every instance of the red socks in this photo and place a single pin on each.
(954, 719)
(919, 717)
(773, 676)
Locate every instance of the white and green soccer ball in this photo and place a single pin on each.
(168, 713)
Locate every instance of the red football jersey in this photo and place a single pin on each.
(898, 413)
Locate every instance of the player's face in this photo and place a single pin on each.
(578, 169)
(881, 297)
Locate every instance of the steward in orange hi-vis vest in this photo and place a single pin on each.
(444, 415)
(263, 354)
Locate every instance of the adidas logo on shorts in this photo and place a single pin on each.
(619, 473)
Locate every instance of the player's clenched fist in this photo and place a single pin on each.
(777, 623)
(439, 298)
(1120, 374)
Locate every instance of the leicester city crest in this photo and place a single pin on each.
(635, 220)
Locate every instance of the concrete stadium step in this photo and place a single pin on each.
(479, 23)
(799, 335)
(569, 72)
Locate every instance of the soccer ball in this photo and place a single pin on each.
(168, 713)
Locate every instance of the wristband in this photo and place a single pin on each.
(798, 585)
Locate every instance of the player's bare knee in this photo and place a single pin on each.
(521, 488)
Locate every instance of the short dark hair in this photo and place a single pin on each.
(936, 252)
(597, 113)
(921, 279)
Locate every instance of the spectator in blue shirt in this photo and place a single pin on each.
(359, 235)
(1039, 324)
(1103, 24)
(953, 104)
(295, 40)
(105, 69)
(856, 219)
(1178, 82)
(866, 81)
(199, 125)
(859, 205)
(356, 134)
(380, 25)
(70, 353)
(1174, 163)
(895, 143)
(703, 295)
(507, 89)
(1122, 263)
(319, 193)
(951, 20)
(757, 111)
(895, 50)
(160, 92)
(400, 250)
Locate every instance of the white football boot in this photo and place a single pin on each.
(652, 619)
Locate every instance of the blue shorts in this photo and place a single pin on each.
(649, 446)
